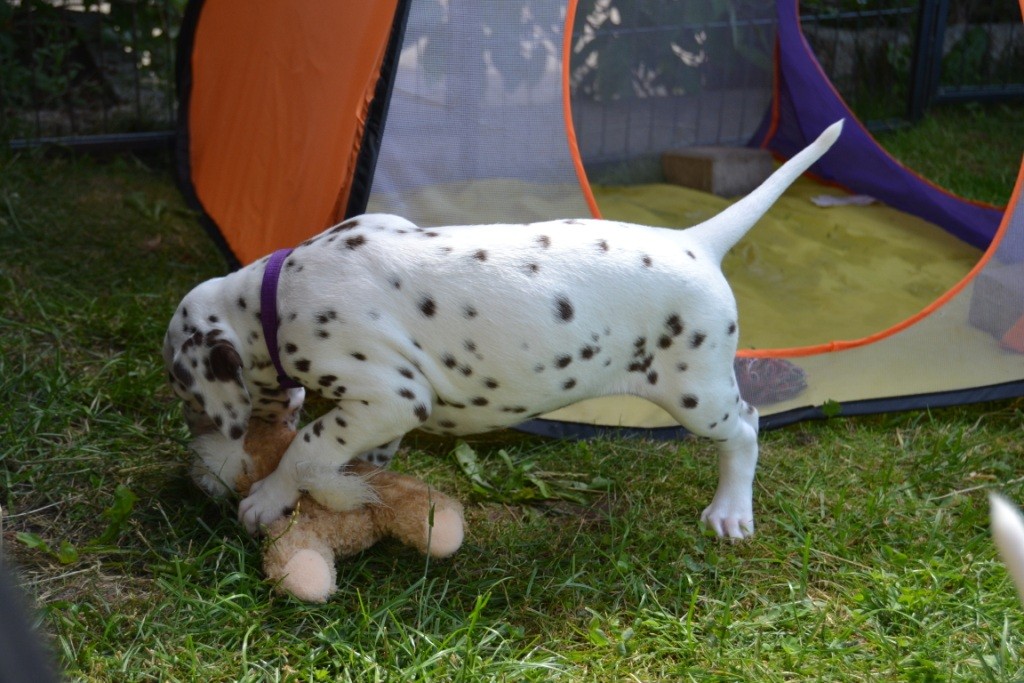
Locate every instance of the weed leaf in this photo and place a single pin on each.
(518, 480)
(116, 515)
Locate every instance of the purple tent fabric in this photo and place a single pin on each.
(806, 103)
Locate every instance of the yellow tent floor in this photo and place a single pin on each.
(806, 275)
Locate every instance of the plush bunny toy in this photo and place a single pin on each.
(302, 548)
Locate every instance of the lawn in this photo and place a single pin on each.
(872, 559)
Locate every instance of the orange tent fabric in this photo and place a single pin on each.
(282, 116)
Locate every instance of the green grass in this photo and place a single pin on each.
(872, 559)
(972, 150)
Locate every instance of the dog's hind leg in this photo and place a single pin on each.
(726, 418)
(731, 512)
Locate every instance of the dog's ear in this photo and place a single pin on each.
(206, 371)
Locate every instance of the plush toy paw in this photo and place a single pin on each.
(308, 576)
(447, 533)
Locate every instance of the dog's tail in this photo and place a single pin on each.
(719, 234)
(1008, 533)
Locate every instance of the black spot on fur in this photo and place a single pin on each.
(491, 383)
(327, 380)
(664, 341)
(562, 361)
(359, 356)
(181, 373)
(325, 317)
(674, 325)
(588, 352)
(302, 365)
(318, 428)
(347, 225)
(236, 432)
(568, 384)
(641, 365)
(544, 241)
(480, 255)
(682, 367)
(395, 282)
(689, 401)
(449, 361)
(241, 303)
(479, 401)
(564, 309)
(602, 245)
(405, 372)
(731, 329)
(539, 367)
(469, 312)
(355, 241)
(447, 424)
(290, 348)
(225, 363)
(407, 394)
(421, 412)
(532, 268)
(691, 254)
(697, 339)
(428, 307)
(646, 260)
(652, 377)
(340, 421)
(323, 334)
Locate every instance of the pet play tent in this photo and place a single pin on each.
(296, 115)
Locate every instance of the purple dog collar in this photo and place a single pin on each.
(268, 314)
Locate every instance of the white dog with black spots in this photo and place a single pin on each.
(466, 329)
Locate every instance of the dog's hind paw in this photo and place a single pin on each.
(729, 521)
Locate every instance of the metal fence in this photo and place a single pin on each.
(892, 59)
(89, 73)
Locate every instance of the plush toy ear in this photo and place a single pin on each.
(206, 370)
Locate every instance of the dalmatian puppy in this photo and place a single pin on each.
(465, 329)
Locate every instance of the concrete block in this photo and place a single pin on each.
(724, 171)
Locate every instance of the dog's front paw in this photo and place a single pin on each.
(730, 518)
(268, 499)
